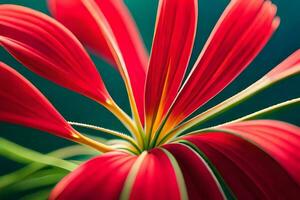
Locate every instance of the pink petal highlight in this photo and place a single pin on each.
(50, 50)
(21, 103)
(171, 50)
(289, 66)
(241, 33)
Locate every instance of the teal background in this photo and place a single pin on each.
(78, 108)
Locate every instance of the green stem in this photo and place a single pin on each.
(158, 132)
(248, 117)
(266, 111)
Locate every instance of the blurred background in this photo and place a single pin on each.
(78, 108)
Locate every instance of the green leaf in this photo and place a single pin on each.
(39, 195)
(26, 171)
(37, 181)
(23, 155)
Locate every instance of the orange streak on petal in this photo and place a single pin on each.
(171, 50)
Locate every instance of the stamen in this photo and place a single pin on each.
(126, 120)
(108, 131)
(91, 143)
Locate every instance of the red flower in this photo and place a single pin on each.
(243, 159)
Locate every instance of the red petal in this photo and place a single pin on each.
(100, 178)
(249, 171)
(75, 16)
(156, 178)
(238, 37)
(106, 177)
(278, 139)
(87, 30)
(287, 66)
(200, 181)
(21, 103)
(171, 51)
(50, 50)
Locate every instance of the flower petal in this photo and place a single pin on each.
(171, 50)
(288, 67)
(278, 139)
(118, 175)
(238, 37)
(220, 164)
(111, 176)
(21, 103)
(102, 177)
(255, 165)
(156, 178)
(50, 50)
(123, 29)
(87, 30)
(200, 181)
